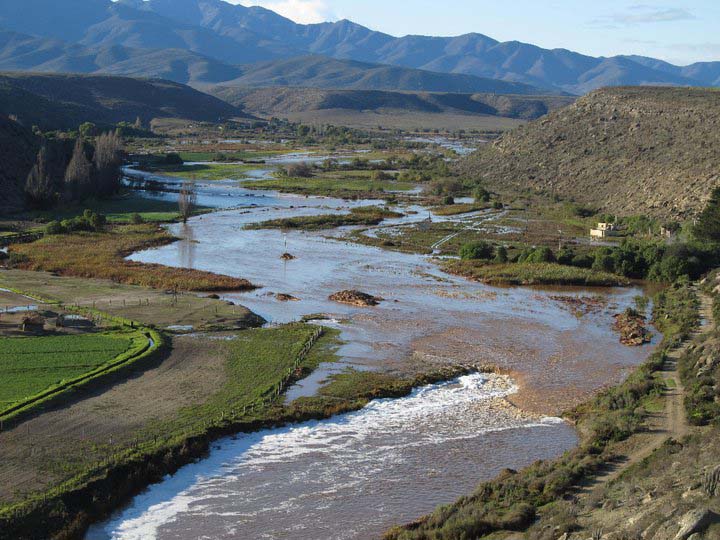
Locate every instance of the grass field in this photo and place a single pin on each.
(230, 155)
(206, 171)
(147, 306)
(458, 209)
(366, 215)
(336, 185)
(32, 364)
(120, 209)
(531, 274)
(102, 255)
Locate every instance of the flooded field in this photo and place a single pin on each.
(396, 459)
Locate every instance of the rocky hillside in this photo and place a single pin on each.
(625, 150)
(18, 148)
(280, 101)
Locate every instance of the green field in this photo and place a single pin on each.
(257, 361)
(30, 365)
(230, 156)
(329, 185)
(207, 171)
(119, 209)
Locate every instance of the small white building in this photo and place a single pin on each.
(603, 230)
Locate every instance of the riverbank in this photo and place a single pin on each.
(102, 255)
(513, 501)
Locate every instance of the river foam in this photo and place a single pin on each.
(301, 481)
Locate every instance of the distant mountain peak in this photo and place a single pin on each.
(234, 34)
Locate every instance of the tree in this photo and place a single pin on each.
(39, 183)
(707, 227)
(187, 201)
(501, 254)
(476, 250)
(108, 159)
(79, 173)
(87, 129)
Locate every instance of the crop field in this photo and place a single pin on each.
(30, 365)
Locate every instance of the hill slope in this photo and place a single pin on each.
(626, 150)
(278, 101)
(18, 149)
(324, 72)
(65, 101)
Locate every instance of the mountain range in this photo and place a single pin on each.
(212, 41)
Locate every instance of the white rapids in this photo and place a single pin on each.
(347, 477)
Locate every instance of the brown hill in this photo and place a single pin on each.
(283, 100)
(65, 100)
(624, 150)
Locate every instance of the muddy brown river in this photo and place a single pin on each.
(355, 475)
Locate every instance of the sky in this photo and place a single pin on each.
(679, 32)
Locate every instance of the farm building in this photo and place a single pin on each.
(603, 230)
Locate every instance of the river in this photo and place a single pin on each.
(355, 475)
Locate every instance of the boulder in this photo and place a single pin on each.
(355, 298)
(696, 521)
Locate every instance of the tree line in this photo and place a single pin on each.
(65, 173)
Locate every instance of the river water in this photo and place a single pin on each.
(355, 475)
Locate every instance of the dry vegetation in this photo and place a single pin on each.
(628, 150)
(102, 255)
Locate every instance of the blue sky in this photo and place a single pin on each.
(680, 32)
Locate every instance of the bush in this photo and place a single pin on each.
(299, 170)
(476, 250)
(501, 255)
(54, 227)
(481, 195)
(449, 199)
(136, 219)
(173, 158)
(541, 255)
(90, 221)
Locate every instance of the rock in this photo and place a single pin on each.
(355, 298)
(287, 257)
(711, 482)
(696, 521)
(286, 297)
(213, 297)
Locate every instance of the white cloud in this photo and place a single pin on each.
(643, 14)
(302, 11)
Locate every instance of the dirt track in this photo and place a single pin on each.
(671, 422)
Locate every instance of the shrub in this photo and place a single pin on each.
(449, 199)
(476, 250)
(136, 219)
(299, 170)
(541, 255)
(481, 194)
(173, 158)
(501, 255)
(54, 227)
